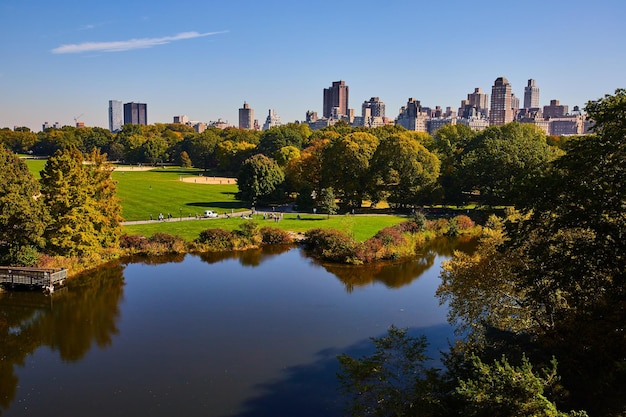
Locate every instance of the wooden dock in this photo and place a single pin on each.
(41, 278)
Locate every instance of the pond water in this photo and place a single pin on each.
(233, 334)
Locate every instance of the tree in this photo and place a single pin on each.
(346, 166)
(327, 202)
(185, 161)
(404, 171)
(393, 381)
(22, 214)
(259, 178)
(80, 198)
(558, 276)
(503, 390)
(501, 161)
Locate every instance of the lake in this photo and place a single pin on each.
(254, 333)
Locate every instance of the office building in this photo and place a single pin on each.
(501, 111)
(183, 119)
(246, 117)
(336, 100)
(135, 113)
(531, 95)
(116, 115)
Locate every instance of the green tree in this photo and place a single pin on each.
(259, 179)
(22, 214)
(404, 171)
(346, 166)
(326, 201)
(501, 161)
(503, 390)
(185, 160)
(393, 381)
(80, 198)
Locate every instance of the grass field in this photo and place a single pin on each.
(145, 193)
(160, 190)
(360, 227)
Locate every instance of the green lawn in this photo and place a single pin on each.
(160, 190)
(361, 227)
(35, 166)
(145, 193)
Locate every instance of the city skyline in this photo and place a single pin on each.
(61, 61)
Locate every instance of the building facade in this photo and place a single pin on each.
(531, 95)
(271, 120)
(412, 117)
(116, 115)
(501, 111)
(135, 113)
(336, 97)
(373, 108)
(246, 117)
(555, 110)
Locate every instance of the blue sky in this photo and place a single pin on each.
(61, 59)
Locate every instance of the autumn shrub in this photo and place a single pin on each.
(412, 226)
(274, 236)
(333, 245)
(370, 251)
(390, 236)
(133, 243)
(216, 239)
(439, 226)
(464, 222)
(164, 242)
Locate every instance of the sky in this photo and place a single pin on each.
(63, 60)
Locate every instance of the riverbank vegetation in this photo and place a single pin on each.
(541, 304)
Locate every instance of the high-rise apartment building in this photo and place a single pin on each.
(501, 111)
(135, 113)
(555, 109)
(336, 97)
(531, 95)
(271, 120)
(412, 116)
(476, 105)
(246, 117)
(116, 115)
(374, 107)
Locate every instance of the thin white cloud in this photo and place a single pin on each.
(117, 46)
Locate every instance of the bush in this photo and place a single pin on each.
(216, 239)
(391, 236)
(133, 242)
(274, 236)
(464, 222)
(331, 244)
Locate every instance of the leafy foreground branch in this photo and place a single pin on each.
(394, 381)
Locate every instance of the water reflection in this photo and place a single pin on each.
(400, 273)
(264, 321)
(70, 322)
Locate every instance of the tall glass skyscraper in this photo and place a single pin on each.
(116, 115)
(135, 113)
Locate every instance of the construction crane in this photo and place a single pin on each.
(76, 119)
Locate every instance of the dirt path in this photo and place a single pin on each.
(211, 180)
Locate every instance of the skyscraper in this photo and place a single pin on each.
(501, 110)
(476, 105)
(531, 95)
(336, 96)
(246, 117)
(116, 115)
(135, 113)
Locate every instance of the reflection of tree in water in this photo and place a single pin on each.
(400, 273)
(70, 322)
(250, 257)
